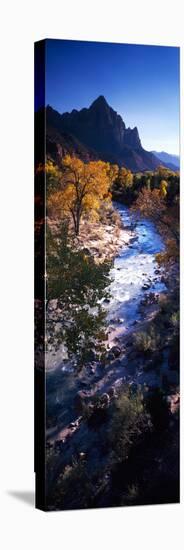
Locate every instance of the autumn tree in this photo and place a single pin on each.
(163, 188)
(170, 254)
(81, 189)
(113, 171)
(152, 204)
(125, 177)
(165, 173)
(123, 186)
(52, 174)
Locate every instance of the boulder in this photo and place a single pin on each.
(92, 369)
(146, 286)
(116, 351)
(105, 400)
(82, 456)
(72, 425)
(52, 305)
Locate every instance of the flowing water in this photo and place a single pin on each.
(134, 267)
(133, 272)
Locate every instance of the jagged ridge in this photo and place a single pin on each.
(98, 132)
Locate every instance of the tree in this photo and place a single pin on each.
(52, 173)
(78, 284)
(82, 188)
(129, 421)
(153, 205)
(125, 177)
(164, 173)
(123, 186)
(163, 188)
(169, 255)
(113, 171)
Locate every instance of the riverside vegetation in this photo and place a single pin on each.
(112, 433)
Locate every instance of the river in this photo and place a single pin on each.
(133, 273)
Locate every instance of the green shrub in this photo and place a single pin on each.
(175, 319)
(74, 488)
(147, 341)
(129, 421)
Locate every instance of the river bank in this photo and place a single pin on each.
(101, 239)
(137, 283)
(78, 402)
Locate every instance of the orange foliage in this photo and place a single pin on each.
(82, 188)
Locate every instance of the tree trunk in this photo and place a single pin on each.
(74, 221)
(76, 215)
(77, 224)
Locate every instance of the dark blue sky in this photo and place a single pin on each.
(140, 82)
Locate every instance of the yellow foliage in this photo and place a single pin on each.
(165, 172)
(150, 203)
(49, 168)
(113, 171)
(170, 254)
(163, 188)
(82, 188)
(125, 177)
(54, 204)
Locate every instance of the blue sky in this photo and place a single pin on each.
(140, 82)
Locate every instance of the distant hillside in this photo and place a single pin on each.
(172, 161)
(97, 132)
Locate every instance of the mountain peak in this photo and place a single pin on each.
(101, 130)
(99, 101)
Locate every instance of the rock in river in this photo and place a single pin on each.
(114, 352)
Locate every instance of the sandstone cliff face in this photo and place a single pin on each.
(99, 132)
